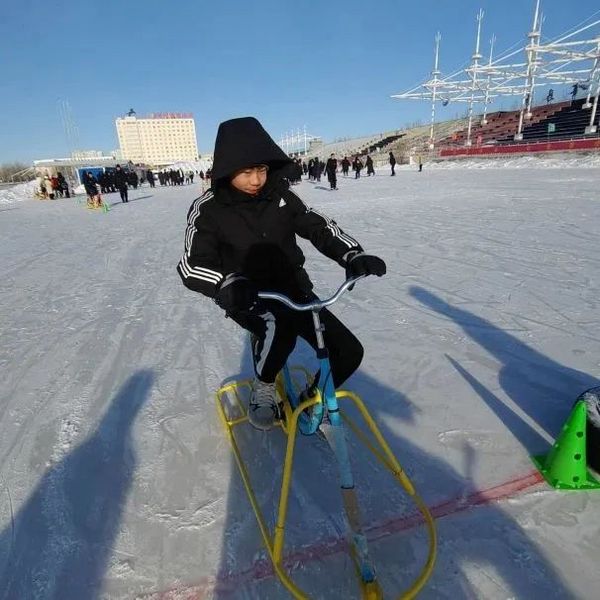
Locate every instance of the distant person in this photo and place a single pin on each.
(370, 169)
(311, 169)
(420, 163)
(317, 169)
(91, 189)
(297, 172)
(110, 181)
(357, 165)
(345, 166)
(331, 170)
(150, 177)
(48, 188)
(133, 179)
(103, 183)
(121, 183)
(64, 186)
(393, 163)
(56, 189)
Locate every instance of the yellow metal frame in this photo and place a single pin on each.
(378, 446)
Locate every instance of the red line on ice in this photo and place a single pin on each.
(262, 569)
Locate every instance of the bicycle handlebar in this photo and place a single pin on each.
(317, 304)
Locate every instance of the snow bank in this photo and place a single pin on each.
(18, 193)
(195, 165)
(562, 161)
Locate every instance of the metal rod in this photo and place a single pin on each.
(316, 305)
(435, 74)
(487, 89)
(476, 57)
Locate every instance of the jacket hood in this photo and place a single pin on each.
(243, 143)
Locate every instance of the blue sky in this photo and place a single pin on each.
(330, 65)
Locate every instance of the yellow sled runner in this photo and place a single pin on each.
(321, 413)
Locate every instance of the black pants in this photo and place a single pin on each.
(393, 169)
(332, 180)
(276, 331)
(123, 193)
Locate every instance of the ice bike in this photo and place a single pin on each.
(320, 413)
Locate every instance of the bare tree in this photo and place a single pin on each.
(15, 171)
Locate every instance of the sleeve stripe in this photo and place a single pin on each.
(192, 216)
(202, 273)
(198, 273)
(337, 232)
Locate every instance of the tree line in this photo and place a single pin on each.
(8, 171)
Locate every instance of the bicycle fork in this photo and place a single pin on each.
(335, 435)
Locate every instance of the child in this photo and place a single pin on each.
(91, 189)
(241, 239)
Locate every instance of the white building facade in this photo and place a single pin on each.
(158, 139)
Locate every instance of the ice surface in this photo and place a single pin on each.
(116, 479)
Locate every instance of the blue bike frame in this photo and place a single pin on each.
(309, 424)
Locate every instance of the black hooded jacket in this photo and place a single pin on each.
(232, 232)
(120, 179)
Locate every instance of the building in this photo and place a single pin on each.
(83, 154)
(159, 139)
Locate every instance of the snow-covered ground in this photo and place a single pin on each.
(116, 480)
(18, 192)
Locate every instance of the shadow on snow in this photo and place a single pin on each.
(544, 389)
(61, 540)
(492, 541)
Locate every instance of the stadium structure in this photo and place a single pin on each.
(568, 65)
(555, 84)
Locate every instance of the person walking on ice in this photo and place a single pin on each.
(331, 169)
(393, 163)
(241, 239)
(121, 183)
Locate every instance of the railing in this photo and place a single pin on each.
(589, 143)
(503, 124)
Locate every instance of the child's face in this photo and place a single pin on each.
(250, 180)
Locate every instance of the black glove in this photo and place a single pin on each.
(359, 263)
(237, 294)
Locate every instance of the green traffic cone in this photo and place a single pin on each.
(565, 467)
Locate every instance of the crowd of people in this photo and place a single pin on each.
(315, 168)
(49, 187)
(121, 180)
(112, 180)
